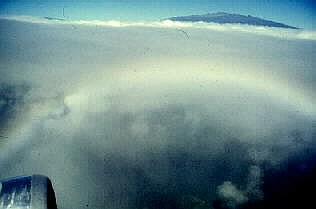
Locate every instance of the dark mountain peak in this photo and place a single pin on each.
(223, 18)
(54, 18)
(217, 14)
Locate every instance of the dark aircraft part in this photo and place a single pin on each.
(34, 192)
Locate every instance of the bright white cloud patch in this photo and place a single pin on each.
(233, 195)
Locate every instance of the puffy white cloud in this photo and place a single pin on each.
(233, 197)
(231, 194)
(228, 191)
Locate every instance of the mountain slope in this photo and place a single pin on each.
(222, 18)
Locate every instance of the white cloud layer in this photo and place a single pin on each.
(259, 30)
(115, 115)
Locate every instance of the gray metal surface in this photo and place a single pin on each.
(34, 192)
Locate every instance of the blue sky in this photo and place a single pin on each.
(296, 13)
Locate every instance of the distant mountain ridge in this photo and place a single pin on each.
(223, 17)
(54, 18)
